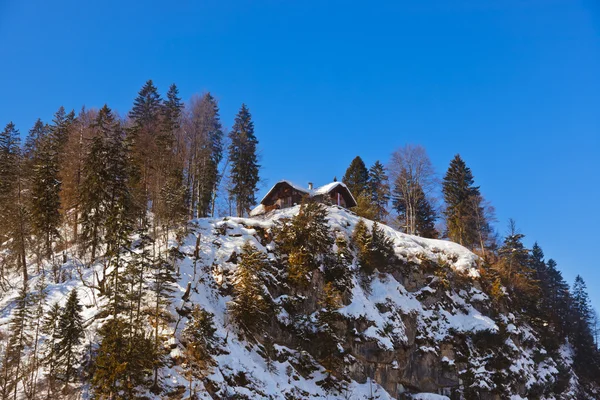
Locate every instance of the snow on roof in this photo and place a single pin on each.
(328, 188)
(314, 192)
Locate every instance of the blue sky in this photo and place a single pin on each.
(513, 86)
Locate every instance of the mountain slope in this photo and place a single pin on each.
(421, 326)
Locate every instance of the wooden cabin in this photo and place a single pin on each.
(285, 194)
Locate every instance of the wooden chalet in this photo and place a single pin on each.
(285, 194)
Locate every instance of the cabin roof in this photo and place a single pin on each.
(325, 189)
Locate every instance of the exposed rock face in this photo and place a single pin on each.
(423, 325)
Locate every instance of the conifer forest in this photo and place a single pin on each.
(137, 262)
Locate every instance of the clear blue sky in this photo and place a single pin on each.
(513, 86)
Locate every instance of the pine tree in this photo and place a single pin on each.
(106, 199)
(329, 342)
(379, 189)
(20, 339)
(249, 306)
(38, 303)
(515, 271)
(337, 270)
(200, 344)
(146, 115)
(93, 196)
(14, 215)
(45, 187)
(210, 152)
(163, 286)
(244, 161)
(425, 217)
(357, 177)
(70, 335)
(558, 297)
(587, 358)
(375, 249)
(459, 194)
(50, 349)
(170, 204)
(304, 242)
(365, 207)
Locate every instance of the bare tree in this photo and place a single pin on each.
(413, 176)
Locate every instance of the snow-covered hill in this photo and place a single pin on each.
(424, 329)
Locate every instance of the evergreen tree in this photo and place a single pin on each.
(365, 207)
(379, 189)
(425, 218)
(38, 303)
(170, 204)
(338, 272)
(106, 199)
(69, 334)
(93, 195)
(163, 286)
(200, 344)
(146, 116)
(20, 339)
(14, 215)
(50, 349)
(375, 249)
(459, 194)
(514, 268)
(357, 177)
(557, 298)
(244, 161)
(587, 359)
(304, 242)
(123, 362)
(147, 106)
(249, 306)
(45, 188)
(329, 342)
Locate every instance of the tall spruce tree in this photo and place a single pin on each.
(70, 335)
(515, 270)
(459, 194)
(146, 115)
(249, 306)
(331, 353)
(379, 190)
(200, 344)
(14, 216)
(50, 347)
(19, 340)
(243, 159)
(45, 188)
(209, 153)
(304, 242)
(357, 177)
(106, 199)
(170, 203)
(587, 357)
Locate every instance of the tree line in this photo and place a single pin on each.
(81, 178)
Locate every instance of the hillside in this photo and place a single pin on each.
(420, 327)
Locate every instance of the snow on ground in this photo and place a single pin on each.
(381, 306)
